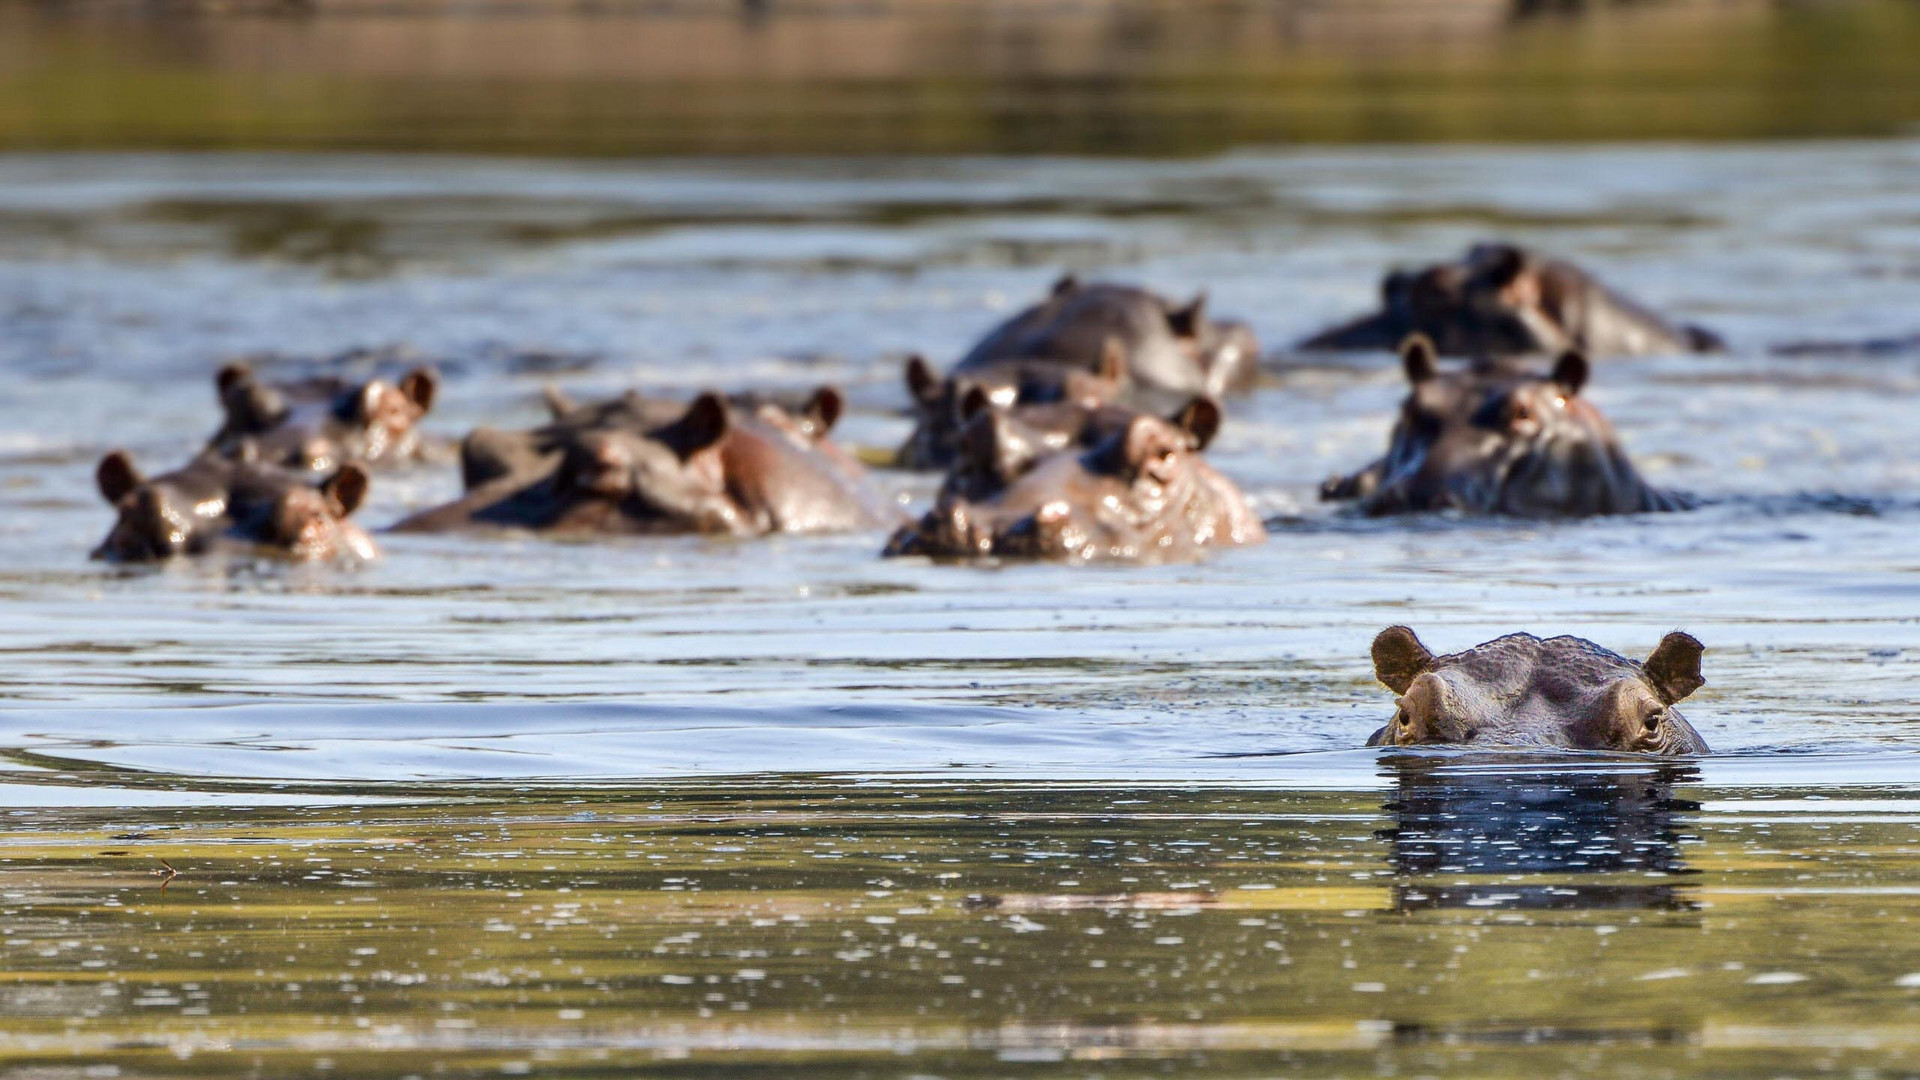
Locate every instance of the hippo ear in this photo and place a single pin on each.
(1066, 284)
(116, 476)
(1201, 419)
(1674, 667)
(922, 383)
(1187, 321)
(419, 386)
(1502, 264)
(229, 375)
(703, 425)
(1113, 360)
(1418, 357)
(974, 402)
(1571, 371)
(824, 408)
(558, 403)
(345, 490)
(1399, 658)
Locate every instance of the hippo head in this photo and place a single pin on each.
(288, 515)
(999, 445)
(1134, 495)
(214, 502)
(943, 406)
(320, 424)
(1487, 440)
(177, 514)
(388, 412)
(1491, 304)
(671, 477)
(1500, 300)
(1520, 690)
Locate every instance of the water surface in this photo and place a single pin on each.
(818, 811)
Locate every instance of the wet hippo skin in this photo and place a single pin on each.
(1490, 440)
(239, 505)
(1164, 345)
(321, 423)
(640, 465)
(1520, 690)
(942, 406)
(998, 445)
(1144, 494)
(1504, 300)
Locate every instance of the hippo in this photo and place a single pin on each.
(1504, 300)
(1000, 444)
(1523, 691)
(1144, 494)
(322, 422)
(234, 504)
(1169, 347)
(1486, 439)
(640, 465)
(943, 406)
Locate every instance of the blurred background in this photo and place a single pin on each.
(1155, 77)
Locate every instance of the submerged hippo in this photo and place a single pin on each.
(321, 423)
(216, 503)
(1519, 690)
(1492, 441)
(638, 465)
(1166, 346)
(999, 445)
(1144, 494)
(942, 406)
(1503, 300)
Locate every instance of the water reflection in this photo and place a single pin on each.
(1561, 837)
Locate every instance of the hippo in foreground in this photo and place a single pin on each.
(1488, 440)
(1166, 346)
(1503, 300)
(1522, 691)
(638, 465)
(322, 423)
(1143, 495)
(243, 506)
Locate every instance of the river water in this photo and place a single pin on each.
(779, 806)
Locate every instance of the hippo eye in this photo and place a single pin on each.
(1653, 718)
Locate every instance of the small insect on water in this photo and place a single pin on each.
(166, 874)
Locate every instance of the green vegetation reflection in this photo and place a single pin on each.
(1113, 77)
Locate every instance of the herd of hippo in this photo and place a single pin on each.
(1076, 430)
